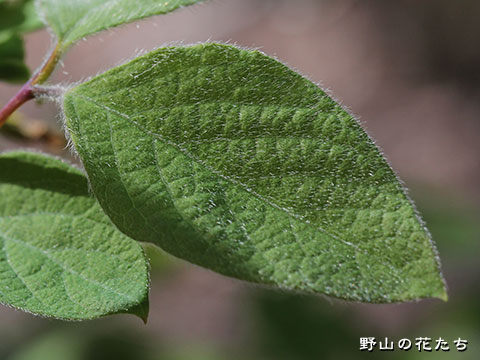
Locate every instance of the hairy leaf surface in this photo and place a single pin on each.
(71, 20)
(60, 256)
(229, 159)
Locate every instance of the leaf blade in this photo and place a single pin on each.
(254, 171)
(74, 20)
(60, 256)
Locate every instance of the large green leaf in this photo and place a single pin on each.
(59, 254)
(227, 158)
(71, 20)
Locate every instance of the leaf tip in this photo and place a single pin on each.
(141, 310)
(440, 291)
(443, 293)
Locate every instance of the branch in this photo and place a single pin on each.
(27, 92)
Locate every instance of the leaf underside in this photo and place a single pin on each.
(72, 20)
(60, 256)
(228, 159)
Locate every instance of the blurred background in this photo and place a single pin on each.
(410, 71)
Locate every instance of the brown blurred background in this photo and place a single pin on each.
(410, 70)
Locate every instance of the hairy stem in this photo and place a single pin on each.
(47, 68)
(27, 92)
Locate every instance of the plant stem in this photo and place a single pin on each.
(27, 92)
(18, 100)
(47, 68)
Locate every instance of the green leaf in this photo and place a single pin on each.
(16, 18)
(60, 255)
(229, 159)
(71, 20)
(12, 68)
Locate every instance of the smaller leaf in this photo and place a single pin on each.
(59, 254)
(72, 20)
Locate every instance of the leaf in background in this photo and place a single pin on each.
(229, 159)
(16, 18)
(12, 67)
(71, 20)
(60, 255)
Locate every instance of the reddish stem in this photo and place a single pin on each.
(27, 92)
(18, 100)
